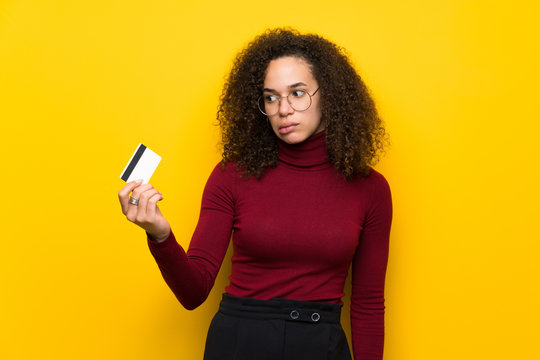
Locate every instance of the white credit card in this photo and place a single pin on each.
(142, 165)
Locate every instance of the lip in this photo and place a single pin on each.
(287, 127)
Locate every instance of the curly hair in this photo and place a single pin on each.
(355, 135)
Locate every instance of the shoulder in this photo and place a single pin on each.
(224, 177)
(374, 181)
(220, 189)
(224, 172)
(377, 180)
(380, 196)
(375, 188)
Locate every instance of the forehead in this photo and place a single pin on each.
(288, 70)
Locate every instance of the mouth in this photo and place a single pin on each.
(287, 128)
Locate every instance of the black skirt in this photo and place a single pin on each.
(277, 329)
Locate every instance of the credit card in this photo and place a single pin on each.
(142, 165)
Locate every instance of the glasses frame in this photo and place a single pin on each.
(287, 96)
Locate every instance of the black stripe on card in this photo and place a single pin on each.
(133, 163)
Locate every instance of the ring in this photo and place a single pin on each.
(133, 201)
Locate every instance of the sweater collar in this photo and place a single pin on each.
(310, 153)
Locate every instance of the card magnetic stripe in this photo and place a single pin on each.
(133, 163)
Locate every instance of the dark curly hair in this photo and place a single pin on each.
(355, 135)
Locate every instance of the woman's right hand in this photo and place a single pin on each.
(146, 214)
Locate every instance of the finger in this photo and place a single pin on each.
(152, 209)
(123, 194)
(143, 201)
(133, 210)
(138, 191)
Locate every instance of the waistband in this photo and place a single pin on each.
(282, 309)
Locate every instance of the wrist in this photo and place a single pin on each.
(157, 238)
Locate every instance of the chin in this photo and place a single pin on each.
(297, 137)
(293, 138)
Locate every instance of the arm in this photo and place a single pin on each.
(368, 274)
(191, 275)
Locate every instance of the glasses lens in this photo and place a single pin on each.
(299, 100)
(267, 107)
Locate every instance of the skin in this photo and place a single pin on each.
(146, 214)
(284, 75)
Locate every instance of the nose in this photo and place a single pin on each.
(284, 107)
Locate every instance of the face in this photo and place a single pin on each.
(286, 75)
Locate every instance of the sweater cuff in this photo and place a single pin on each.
(162, 244)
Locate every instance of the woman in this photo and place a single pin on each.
(297, 192)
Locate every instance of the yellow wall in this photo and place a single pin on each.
(82, 82)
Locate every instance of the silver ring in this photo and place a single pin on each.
(133, 201)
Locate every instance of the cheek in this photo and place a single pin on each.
(316, 116)
(274, 122)
(318, 109)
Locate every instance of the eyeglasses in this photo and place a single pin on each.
(300, 100)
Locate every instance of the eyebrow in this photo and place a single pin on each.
(295, 85)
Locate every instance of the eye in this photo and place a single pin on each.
(270, 98)
(298, 93)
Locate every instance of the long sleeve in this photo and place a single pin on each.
(368, 275)
(190, 275)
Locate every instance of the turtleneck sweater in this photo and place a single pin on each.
(295, 232)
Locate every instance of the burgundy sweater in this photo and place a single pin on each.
(295, 233)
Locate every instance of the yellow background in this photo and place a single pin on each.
(82, 82)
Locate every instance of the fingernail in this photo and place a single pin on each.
(138, 181)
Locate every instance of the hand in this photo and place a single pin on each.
(146, 214)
